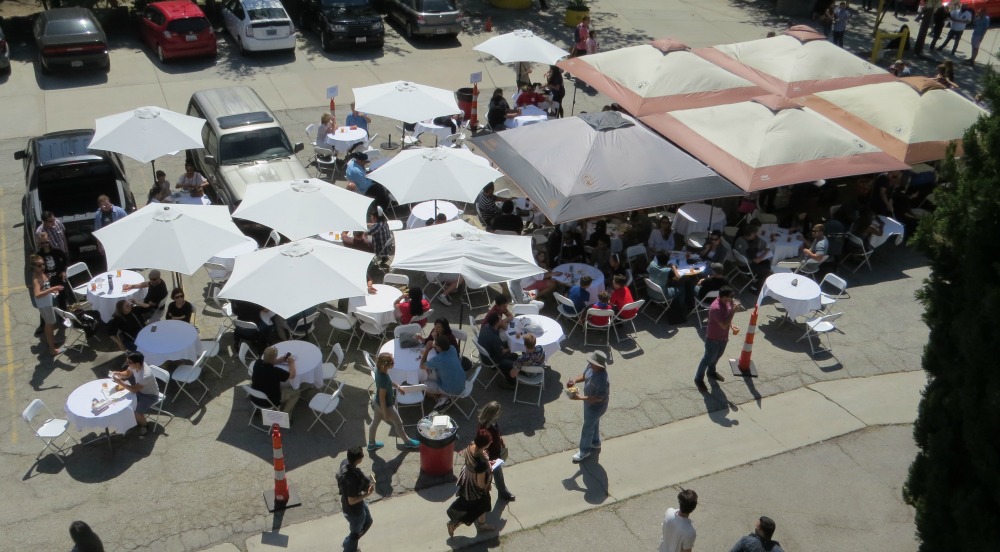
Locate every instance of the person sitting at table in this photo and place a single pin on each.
(449, 285)
(379, 235)
(198, 196)
(663, 272)
(443, 375)
(580, 294)
(107, 213)
(533, 355)
(530, 96)
(258, 316)
(327, 125)
(600, 255)
(867, 225)
(507, 220)
(442, 327)
(448, 122)
(284, 326)
(501, 306)
(715, 251)
(752, 247)
(410, 305)
(160, 192)
(572, 250)
(138, 378)
(179, 309)
(617, 266)
(600, 231)
(542, 284)
(902, 209)
(124, 326)
(486, 205)
(358, 181)
(358, 119)
(489, 339)
(603, 302)
(384, 405)
(817, 253)
(191, 179)
(156, 293)
(499, 111)
(355, 240)
(714, 281)
(621, 295)
(269, 379)
(661, 238)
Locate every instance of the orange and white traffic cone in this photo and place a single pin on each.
(488, 27)
(744, 366)
(473, 119)
(282, 497)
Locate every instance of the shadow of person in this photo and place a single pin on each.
(718, 406)
(594, 480)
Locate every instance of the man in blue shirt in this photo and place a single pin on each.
(107, 213)
(580, 294)
(358, 181)
(444, 371)
(358, 119)
(980, 25)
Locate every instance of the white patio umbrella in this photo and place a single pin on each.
(302, 208)
(457, 247)
(289, 279)
(147, 133)
(405, 101)
(522, 45)
(435, 173)
(179, 238)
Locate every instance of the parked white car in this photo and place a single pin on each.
(258, 25)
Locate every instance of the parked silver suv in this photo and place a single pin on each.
(427, 17)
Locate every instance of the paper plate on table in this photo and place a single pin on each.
(117, 395)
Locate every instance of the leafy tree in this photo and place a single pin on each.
(954, 482)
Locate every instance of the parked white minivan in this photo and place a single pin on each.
(258, 25)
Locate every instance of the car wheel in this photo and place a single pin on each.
(42, 67)
(326, 41)
(239, 42)
(409, 30)
(159, 53)
(107, 68)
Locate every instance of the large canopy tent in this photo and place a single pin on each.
(770, 142)
(598, 164)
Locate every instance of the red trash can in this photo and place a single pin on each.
(464, 98)
(437, 448)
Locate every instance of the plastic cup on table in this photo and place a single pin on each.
(118, 273)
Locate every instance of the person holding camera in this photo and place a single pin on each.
(355, 487)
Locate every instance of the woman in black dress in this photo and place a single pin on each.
(474, 485)
(179, 309)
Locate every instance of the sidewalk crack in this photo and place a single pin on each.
(820, 393)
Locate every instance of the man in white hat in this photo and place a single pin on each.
(596, 395)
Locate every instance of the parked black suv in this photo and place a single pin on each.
(342, 22)
(63, 176)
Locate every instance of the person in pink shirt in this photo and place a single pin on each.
(580, 36)
(720, 323)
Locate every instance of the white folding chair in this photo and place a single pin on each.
(530, 376)
(311, 134)
(78, 284)
(656, 297)
(340, 322)
(332, 369)
(818, 326)
(370, 363)
(73, 324)
(767, 218)
(463, 339)
(566, 309)
(525, 308)
(465, 394)
(217, 275)
(186, 374)
(407, 138)
(412, 396)
(423, 317)
(49, 430)
(741, 268)
(274, 238)
(306, 327)
(212, 347)
(394, 279)
(246, 353)
(831, 288)
(255, 407)
(702, 305)
(395, 226)
(589, 324)
(326, 403)
(249, 327)
(636, 262)
(411, 329)
(627, 315)
(453, 140)
(485, 360)
(163, 376)
(370, 327)
(863, 252)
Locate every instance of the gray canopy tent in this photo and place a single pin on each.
(598, 164)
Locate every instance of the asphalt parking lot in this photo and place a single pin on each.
(198, 481)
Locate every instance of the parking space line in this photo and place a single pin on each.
(7, 330)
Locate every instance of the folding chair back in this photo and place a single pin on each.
(394, 279)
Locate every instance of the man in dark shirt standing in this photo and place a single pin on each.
(760, 539)
(354, 487)
(267, 378)
(486, 205)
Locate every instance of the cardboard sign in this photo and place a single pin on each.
(332, 92)
(271, 417)
(476, 77)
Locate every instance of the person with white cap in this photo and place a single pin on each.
(596, 395)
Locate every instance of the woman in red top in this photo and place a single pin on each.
(621, 295)
(410, 305)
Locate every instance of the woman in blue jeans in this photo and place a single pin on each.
(596, 394)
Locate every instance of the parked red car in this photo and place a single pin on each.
(177, 29)
(992, 7)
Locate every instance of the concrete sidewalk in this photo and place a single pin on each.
(552, 488)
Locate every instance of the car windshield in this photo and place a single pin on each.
(70, 27)
(253, 145)
(345, 3)
(436, 6)
(188, 25)
(258, 14)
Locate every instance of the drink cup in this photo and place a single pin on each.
(336, 236)
(736, 331)
(93, 286)
(518, 334)
(118, 273)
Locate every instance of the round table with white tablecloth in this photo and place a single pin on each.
(525, 120)
(429, 127)
(308, 362)
(782, 244)
(378, 305)
(119, 415)
(332, 237)
(184, 198)
(104, 301)
(890, 227)
(548, 334)
(168, 340)
(406, 369)
(799, 294)
(344, 138)
(694, 217)
(420, 212)
(685, 266)
(570, 273)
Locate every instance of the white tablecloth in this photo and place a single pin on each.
(345, 138)
(891, 227)
(406, 370)
(525, 120)
(103, 301)
(784, 246)
(379, 306)
(172, 340)
(332, 237)
(308, 362)
(420, 212)
(428, 127)
(693, 217)
(549, 339)
(534, 216)
(572, 272)
(685, 266)
(185, 198)
(798, 300)
(119, 416)
(227, 257)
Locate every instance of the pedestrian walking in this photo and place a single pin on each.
(760, 539)
(384, 405)
(580, 36)
(355, 487)
(959, 20)
(938, 19)
(596, 395)
(720, 323)
(488, 417)
(980, 25)
(474, 484)
(84, 538)
(841, 16)
(678, 531)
